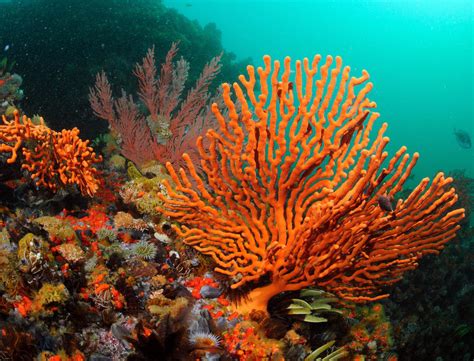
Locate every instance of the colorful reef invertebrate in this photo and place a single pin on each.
(31, 255)
(53, 159)
(290, 186)
(200, 339)
(49, 297)
(168, 130)
(144, 249)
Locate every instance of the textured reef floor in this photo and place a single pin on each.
(99, 280)
(103, 282)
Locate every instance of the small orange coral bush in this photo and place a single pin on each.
(53, 159)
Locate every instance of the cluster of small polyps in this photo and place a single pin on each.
(291, 188)
(56, 159)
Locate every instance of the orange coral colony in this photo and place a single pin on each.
(292, 187)
(53, 159)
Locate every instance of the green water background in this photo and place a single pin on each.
(419, 55)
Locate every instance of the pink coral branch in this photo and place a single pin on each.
(100, 98)
(136, 141)
(166, 76)
(162, 135)
(187, 143)
(147, 83)
(180, 74)
(197, 98)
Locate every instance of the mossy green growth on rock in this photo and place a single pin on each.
(141, 191)
(50, 293)
(155, 170)
(9, 277)
(133, 172)
(161, 306)
(4, 238)
(117, 162)
(49, 296)
(148, 205)
(57, 229)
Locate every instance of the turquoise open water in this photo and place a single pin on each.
(419, 55)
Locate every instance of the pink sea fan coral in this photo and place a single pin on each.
(171, 125)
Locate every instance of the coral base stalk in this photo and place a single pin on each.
(258, 298)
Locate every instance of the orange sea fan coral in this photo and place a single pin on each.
(291, 187)
(52, 158)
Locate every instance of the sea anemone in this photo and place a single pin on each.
(145, 250)
(105, 233)
(204, 340)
